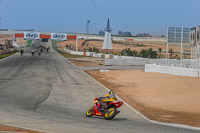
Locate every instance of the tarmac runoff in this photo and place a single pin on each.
(140, 114)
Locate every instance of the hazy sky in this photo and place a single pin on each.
(136, 16)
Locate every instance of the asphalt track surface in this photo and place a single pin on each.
(48, 93)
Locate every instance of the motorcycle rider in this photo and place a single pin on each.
(22, 51)
(39, 51)
(32, 52)
(106, 99)
(48, 49)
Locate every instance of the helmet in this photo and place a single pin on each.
(111, 92)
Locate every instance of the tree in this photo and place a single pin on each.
(135, 53)
(129, 52)
(152, 54)
(123, 52)
(94, 49)
(160, 50)
(171, 51)
(90, 49)
(143, 53)
(148, 53)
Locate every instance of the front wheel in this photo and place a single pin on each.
(111, 113)
(89, 112)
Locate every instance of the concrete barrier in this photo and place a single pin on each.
(92, 54)
(173, 70)
(107, 56)
(76, 53)
(124, 60)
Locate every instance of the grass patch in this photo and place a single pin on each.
(29, 43)
(63, 53)
(8, 54)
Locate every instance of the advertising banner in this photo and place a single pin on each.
(58, 36)
(31, 35)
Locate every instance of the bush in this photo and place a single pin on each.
(143, 53)
(94, 49)
(152, 54)
(129, 52)
(148, 53)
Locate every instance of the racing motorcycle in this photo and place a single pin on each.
(108, 110)
(39, 52)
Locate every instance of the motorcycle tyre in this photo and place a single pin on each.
(112, 115)
(88, 113)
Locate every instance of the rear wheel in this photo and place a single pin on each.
(111, 113)
(89, 112)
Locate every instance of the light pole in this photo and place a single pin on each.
(0, 25)
(88, 21)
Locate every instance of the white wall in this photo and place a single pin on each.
(173, 70)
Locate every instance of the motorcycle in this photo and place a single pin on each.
(39, 52)
(108, 110)
(21, 52)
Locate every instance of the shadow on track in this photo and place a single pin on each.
(114, 119)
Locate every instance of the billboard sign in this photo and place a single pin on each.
(58, 36)
(31, 35)
(178, 35)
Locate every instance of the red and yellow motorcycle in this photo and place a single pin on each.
(106, 109)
